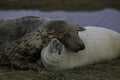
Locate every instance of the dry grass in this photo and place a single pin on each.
(109, 70)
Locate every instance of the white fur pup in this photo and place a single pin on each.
(100, 44)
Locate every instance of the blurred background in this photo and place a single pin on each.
(69, 5)
(103, 13)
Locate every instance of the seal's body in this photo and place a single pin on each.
(21, 39)
(101, 44)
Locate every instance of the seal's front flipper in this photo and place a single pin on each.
(55, 46)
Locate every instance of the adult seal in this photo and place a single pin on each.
(23, 38)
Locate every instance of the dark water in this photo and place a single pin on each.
(108, 18)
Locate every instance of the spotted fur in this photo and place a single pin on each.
(23, 38)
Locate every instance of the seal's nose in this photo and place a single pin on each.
(55, 41)
(79, 47)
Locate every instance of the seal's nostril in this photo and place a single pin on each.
(82, 47)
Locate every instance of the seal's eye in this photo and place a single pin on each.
(67, 35)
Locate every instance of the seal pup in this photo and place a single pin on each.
(101, 45)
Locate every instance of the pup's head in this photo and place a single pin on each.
(55, 46)
(53, 55)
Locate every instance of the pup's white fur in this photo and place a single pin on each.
(101, 44)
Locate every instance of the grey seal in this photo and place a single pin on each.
(23, 38)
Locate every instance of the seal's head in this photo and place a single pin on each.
(53, 55)
(67, 33)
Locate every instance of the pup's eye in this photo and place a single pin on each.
(67, 35)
